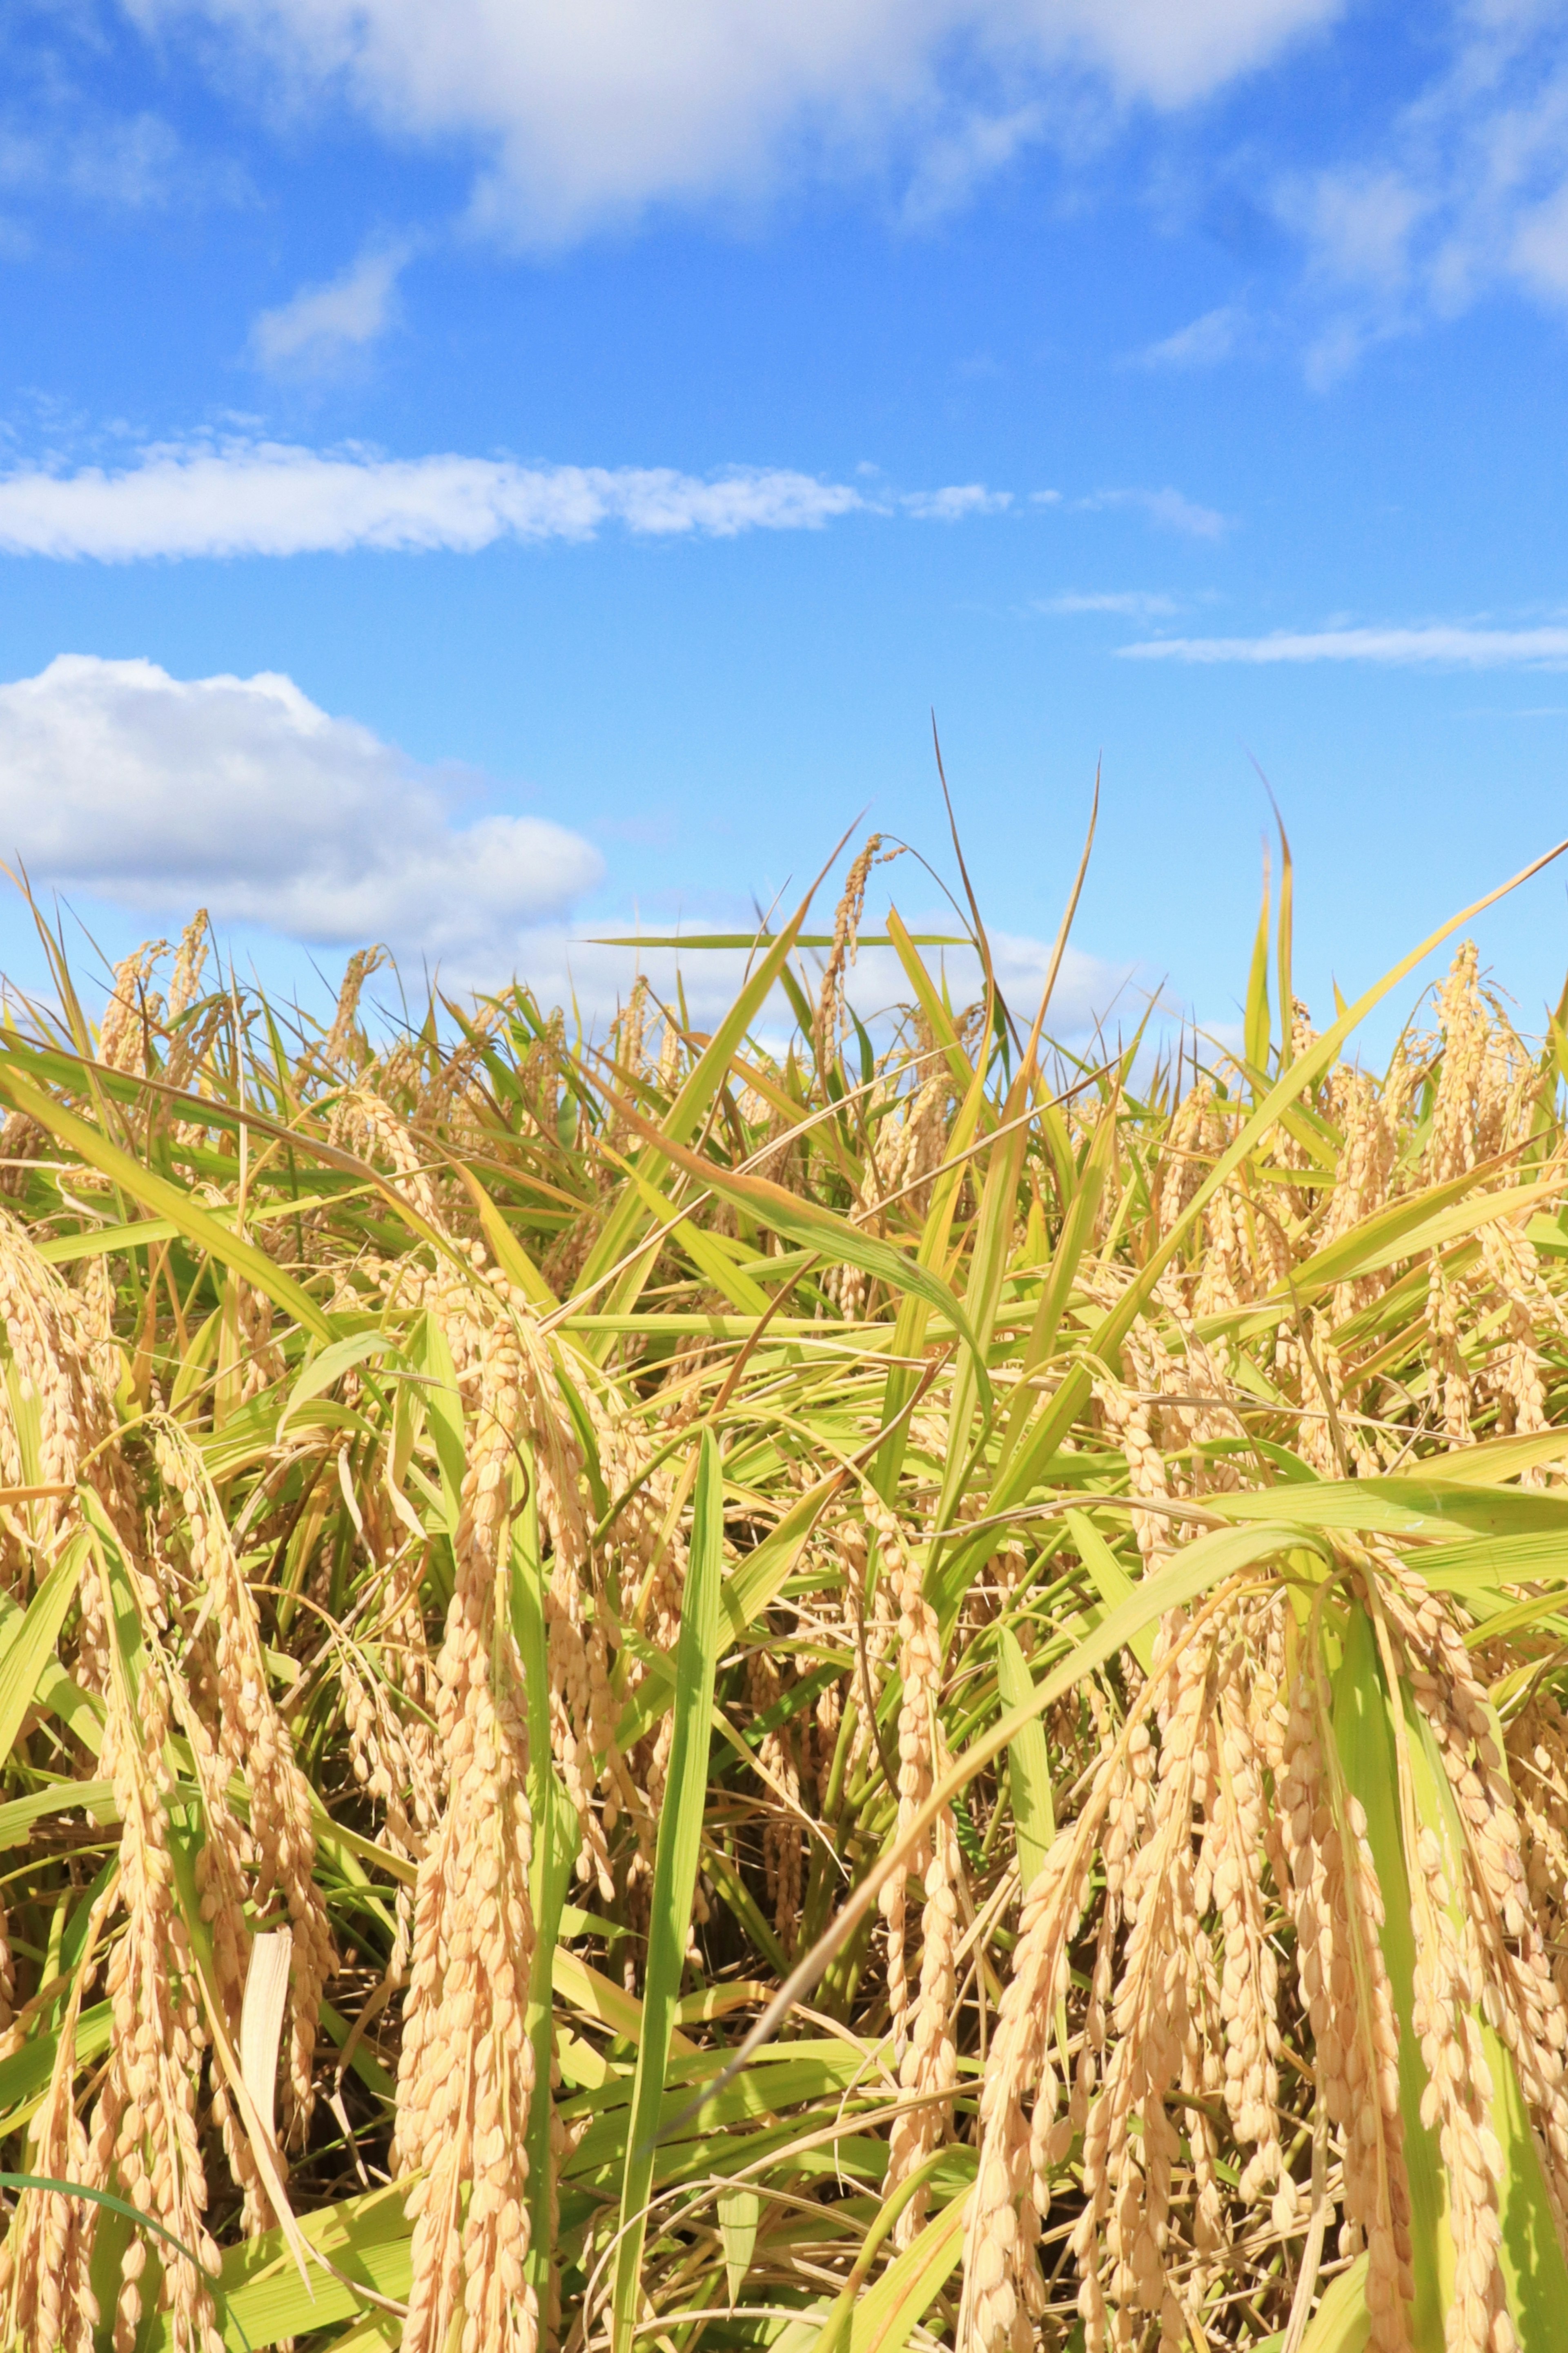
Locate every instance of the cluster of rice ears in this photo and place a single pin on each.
(898, 1692)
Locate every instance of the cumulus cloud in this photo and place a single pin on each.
(241, 795)
(323, 324)
(590, 112)
(262, 497)
(1432, 645)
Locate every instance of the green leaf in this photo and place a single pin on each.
(262, 2299)
(890, 2311)
(329, 1364)
(1204, 1562)
(31, 1649)
(1111, 1581)
(815, 1228)
(1256, 1029)
(1341, 2323)
(1403, 1506)
(1030, 1767)
(164, 1199)
(740, 2211)
(1530, 2253)
(621, 1228)
(1363, 1735)
(674, 1874)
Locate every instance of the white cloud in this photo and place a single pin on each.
(242, 795)
(1169, 509)
(562, 964)
(264, 498)
(322, 325)
(271, 499)
(135, 162)
(1203, 344)
(1130, 604)
(1435, 644)
(951, 505)
(1467, 191)
(591, 112)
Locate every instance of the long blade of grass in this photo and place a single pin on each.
(674, 1878)
(165, 1200)
(30, 1649)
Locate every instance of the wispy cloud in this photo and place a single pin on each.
(1463, 191)
(1130, 604)
(955, 504)
(322, 325)
(241, 795)
(1169, 510)
(134, 161)
(1205, 342)
(259, 498)
(1434, 645)
(577, 115)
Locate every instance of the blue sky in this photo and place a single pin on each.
(467, 475)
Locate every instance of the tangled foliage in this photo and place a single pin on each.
(511, 1552)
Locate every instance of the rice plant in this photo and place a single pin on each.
(907, 1691)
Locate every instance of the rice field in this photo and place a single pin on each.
(668, 1692)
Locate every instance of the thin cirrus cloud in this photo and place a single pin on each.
(273, 499)
(1203, 342)
(1465, 190)
(1432, 646)
(575, 116)
(1127, 604)
(1169, 509)
(242, 795)
(322, 325)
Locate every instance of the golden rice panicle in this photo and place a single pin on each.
(46, 2289)
(190, 958)
(131, 1013)
(574, 1720)
(1486, 1083)
(1249, 1977)
(58, 1371)
(1122, 2237)
(1003, 2287)
(1522, 1998)
(924, 2022)
(1538, 1760)
(254, 1745)
(144, 2144)
(345, 1044)
(466, 2074)
(1449, 1375)
(1457, 2103)
(928, 2069)
(1344, 1986)
(1516, 1374)
(919, 1675)
(1192, 1140)
(1128, 1413)
(845, 929)
(1361, 1179)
